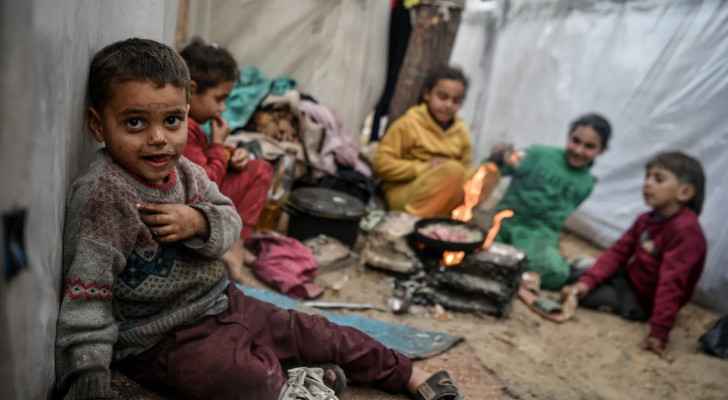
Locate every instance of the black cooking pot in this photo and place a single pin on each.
(314, 211)
(431, 247)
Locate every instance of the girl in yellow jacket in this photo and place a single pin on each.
(424, 158)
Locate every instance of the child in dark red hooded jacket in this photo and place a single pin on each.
(652, 270)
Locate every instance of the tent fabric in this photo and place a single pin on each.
(335, 50)
(473, 51)
(656, 69)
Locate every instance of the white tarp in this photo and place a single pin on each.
(656, 68)
(336, 50)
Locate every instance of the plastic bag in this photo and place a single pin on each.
(715, 340)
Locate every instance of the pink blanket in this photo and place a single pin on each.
(285, 264)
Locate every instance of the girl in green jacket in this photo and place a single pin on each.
(547, 185)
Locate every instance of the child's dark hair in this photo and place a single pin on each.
(209, 64)
(135, 60)
(597, 122)
(444, 72)
(687, 170)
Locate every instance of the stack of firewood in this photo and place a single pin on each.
(485, 282)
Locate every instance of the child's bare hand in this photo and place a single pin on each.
(239, 159)
(656, 346)
(220, 129)
(514, 158)
(173, 222)
(581, 290)
(499, 153)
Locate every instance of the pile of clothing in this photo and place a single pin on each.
(285, 264)
(273, 113)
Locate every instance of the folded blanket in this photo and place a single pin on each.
(285, 264)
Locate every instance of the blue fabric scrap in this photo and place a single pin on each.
(414, 343)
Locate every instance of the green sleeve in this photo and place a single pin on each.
(507, 170)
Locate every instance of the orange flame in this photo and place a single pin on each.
(452, 258)
(495, 227)
(473, 188)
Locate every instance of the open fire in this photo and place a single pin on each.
(495, 227)
(473, 189)
(452, 258)
(482, 183)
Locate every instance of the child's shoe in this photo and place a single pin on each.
(439, 386)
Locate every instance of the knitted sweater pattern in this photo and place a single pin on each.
(123, 291)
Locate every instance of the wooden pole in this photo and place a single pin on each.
(183, 14)
(430, 45)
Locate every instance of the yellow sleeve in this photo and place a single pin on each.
(466, 155)
(390, 162)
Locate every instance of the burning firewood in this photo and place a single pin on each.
(484, 282)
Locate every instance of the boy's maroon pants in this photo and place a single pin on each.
(238, 354)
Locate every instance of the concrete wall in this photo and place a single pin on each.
(46, 47)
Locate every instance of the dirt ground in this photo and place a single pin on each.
(593, 356)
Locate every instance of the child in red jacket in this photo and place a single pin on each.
(246, 182)
(651, 271)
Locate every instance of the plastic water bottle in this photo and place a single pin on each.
(289, 170)
(284, 176)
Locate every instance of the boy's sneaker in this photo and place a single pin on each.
(334, 377)
(307, 384)
(439, 386)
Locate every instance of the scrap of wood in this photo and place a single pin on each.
(504, 340)
(351, 306)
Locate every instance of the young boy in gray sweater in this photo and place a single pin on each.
(144, 286)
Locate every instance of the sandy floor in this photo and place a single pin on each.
(594, 356)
